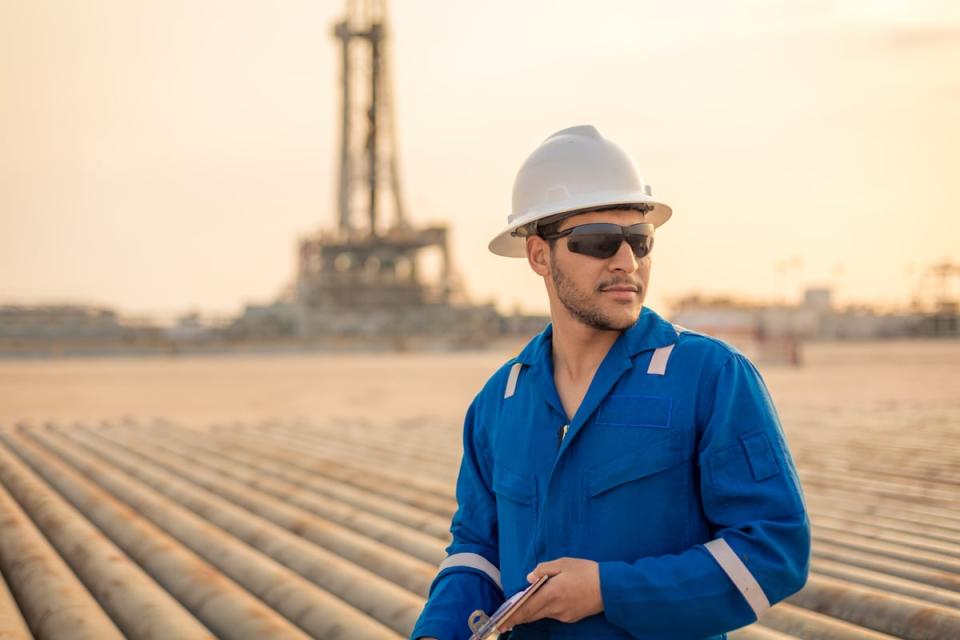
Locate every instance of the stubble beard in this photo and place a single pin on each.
(579, 305)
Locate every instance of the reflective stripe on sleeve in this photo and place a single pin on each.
(738, 573)
(474, 561)
(512, 380)
(658, 363)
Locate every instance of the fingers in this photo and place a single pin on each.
(551, 568)
(536, 607)
(572, 593)
(532, 609)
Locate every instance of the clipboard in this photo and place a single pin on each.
(484, 626)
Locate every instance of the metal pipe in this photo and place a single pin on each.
(852, 501)
(907, 541)
(415, 543)
(398, 567)
(802, 623)
(248, 454)
(384, 601)
(385, 446)
(369, 478)
(895, 491)
(836, 514)
(890, 613)
(132, 599)
(876, 548)
(890, 463)
(12, 624)
(54, 602)
(890, 566)
(227, 609)
(387, 463)
(364, 443)
(758, 632)
(885, 582)
(295, 598)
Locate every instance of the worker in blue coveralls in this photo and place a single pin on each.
(640, 465)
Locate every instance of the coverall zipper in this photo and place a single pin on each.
(561, 434)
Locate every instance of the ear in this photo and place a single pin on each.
(538, 255)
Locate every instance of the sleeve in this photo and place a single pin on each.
(469, 577)
(750, 493)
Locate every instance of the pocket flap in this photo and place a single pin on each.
(763, 463)
(652, 458)
(515, 486)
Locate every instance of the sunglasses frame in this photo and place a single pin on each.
(644, 229)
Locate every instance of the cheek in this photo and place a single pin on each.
(643, 268)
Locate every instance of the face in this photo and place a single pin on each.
(602, 293)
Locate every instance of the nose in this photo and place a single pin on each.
(624, 259)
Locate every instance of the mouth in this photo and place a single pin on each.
(622, 292)
(620, 287)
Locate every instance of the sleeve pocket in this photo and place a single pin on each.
(763, 463)
(751, 479)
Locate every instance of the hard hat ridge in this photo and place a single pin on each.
(572, 171)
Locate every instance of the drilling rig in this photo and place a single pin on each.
(366, 275)
(937, 298)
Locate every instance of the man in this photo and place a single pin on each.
(640, 465)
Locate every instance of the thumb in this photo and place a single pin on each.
(551, 568)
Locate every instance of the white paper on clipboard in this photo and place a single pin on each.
(484, 627)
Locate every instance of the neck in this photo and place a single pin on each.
(578, 349)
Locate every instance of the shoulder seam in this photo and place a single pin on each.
(726, 346)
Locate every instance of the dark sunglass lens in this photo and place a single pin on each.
(597, 245)
(641, 245)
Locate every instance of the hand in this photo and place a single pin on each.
(571, 594)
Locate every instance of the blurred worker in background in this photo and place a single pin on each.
(640, 465)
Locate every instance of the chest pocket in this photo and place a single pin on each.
(635, 465)
(638, 502)
(516, 523)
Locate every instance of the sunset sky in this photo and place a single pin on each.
(159, 156)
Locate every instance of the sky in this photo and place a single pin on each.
(161, 156)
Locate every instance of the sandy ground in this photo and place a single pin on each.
(876, 378)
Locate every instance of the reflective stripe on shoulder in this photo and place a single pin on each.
(658, 363)
(738, 573)
(512, 380)
(474, 561)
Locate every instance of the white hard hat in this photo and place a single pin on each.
(574, 170)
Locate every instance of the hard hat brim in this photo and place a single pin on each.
(510, 246)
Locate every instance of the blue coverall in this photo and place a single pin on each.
(673, 475)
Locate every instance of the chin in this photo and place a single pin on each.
(631, 311)
(624, 320)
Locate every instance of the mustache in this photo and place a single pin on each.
(620, 282)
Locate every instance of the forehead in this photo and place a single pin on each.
(622, 217)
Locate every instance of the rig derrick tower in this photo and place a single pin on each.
(365, 275)
(937, 297)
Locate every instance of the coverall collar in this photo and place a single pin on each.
(649, 332)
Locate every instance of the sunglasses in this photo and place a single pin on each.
(603, 239)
